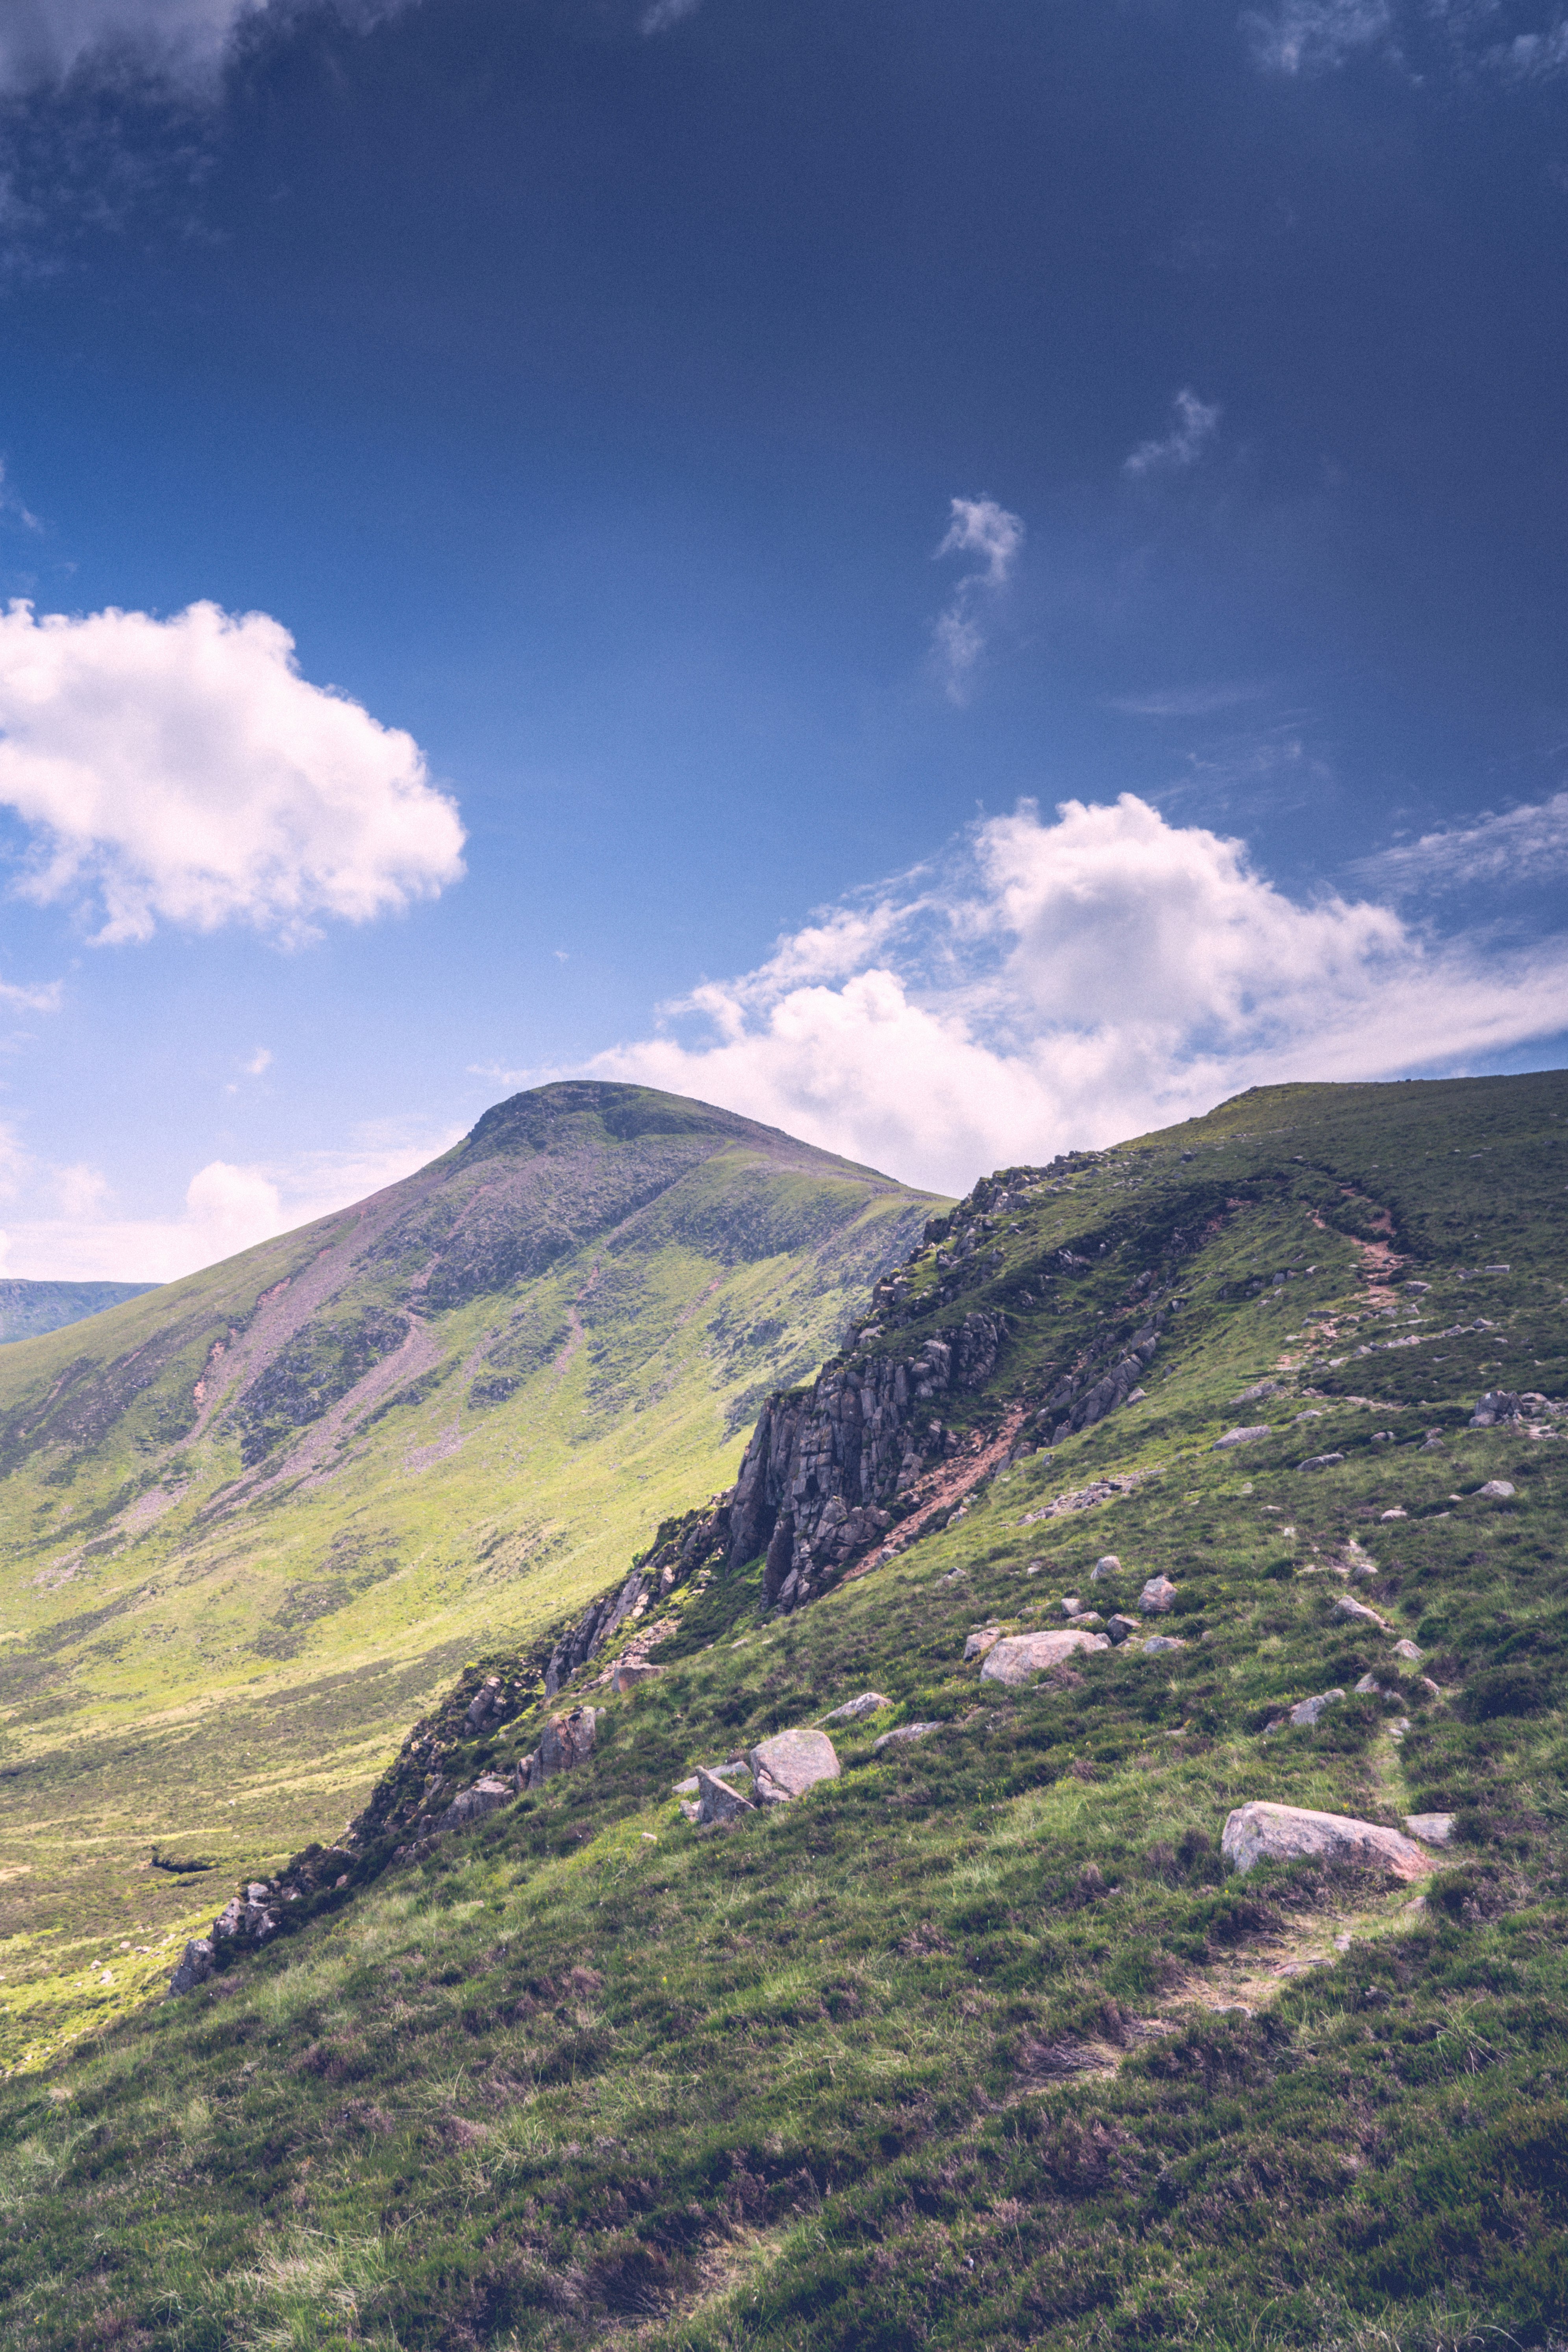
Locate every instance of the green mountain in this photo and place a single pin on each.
(252, 1520)
(1001, 2034)
(28, 1308)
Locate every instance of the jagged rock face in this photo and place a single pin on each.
(822, 1467)
(1071, 1406)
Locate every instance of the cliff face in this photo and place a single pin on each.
(825, 1469)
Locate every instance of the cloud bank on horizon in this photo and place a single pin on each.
(1076, 980)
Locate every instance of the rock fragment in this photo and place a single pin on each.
(979, 1644)
(1498, 1490)
(901, 1733)
(1108, 1566)
(1021, 1656)
(717, 1800)
(1308, 1711)
(1119, 1628)
(1158, 1597)
(1359, 1614)
(853, 1709)
(1242, 1437)
(1264, 1832)
(1408, 1649)
(1432, 1828)
(1320, 1461)
(195, 1965)
(790, 1763)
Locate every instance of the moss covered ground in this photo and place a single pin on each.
(980, 2043)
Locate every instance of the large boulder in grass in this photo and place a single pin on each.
(486, 1796)
(195, 1965)
(1263, 1832)
(1021, 1656)
(790, 1763)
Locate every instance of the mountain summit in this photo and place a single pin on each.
(253, 1517)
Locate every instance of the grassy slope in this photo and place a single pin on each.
(881, 2071)
(221, 1683)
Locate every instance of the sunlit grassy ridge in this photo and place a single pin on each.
(251, 1520)
(978, 2044)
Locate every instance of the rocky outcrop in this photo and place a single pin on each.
(827, 1466)
(1086, 1396)
(568, 1741)
(682, 1548)
(1264, 1833)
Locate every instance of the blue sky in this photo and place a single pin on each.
(963, 580)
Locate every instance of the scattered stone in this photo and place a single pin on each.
(1108, 1566)
(1496, 1269)
(978, 1644)
(687, 1788)
(790, 1763)
(1432, 1828)
(1498, 1490)
(1398, 1730)
(1071, 1605)
(629, 1671)
(1431, 1688)
(1120, 1628)
(1311, 1414)
(866, 1704)
(1255, 1394)
(1164, 1641)
(1369, 1687)
(1023, 1655)
(1397, 1513)
(1359, 1612)
(1158, 1596)
(1408, 1649)
(567, 1742)
(1320, 1461)
(195, 1965)
(1241, 1436)
(1498, 1404)
(1308, 1711)
(486, 1796)
(717, 1801)
(1264, 1833)
(1089, 1619)
(902, 1732)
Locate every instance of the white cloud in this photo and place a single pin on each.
(665, 13)
(978, 527)
(47, 40)
(183, 771)
(226, 1208)
(1522, 845)
(1196, 423)
(259, 1060)
(1534, 56)
(1069, 981)
(1314, 35)
(1184, 702)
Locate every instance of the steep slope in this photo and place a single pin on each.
(982, 2042)
(28, 1308)
(251, 1519)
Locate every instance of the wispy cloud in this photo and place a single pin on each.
(1522, 845)
(1067, 980)
(1197, 422)
(1315, 36)
(983, 528)
(1184, 702)
(1533, 57)
(666, 13)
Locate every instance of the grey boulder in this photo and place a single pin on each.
(790, 1763)
(1308, 1711)
(1120, 1628)
(195, 1965)
(853, 1709)
(1432, 1828)
(901, 1733)
(1158, 1597)
(1108, 1566)
(1498, 1490)
(1359, 1614)
(1020, 1656)
(1264, 1833)
(717, 1801)
(1498, 1404)
(978, 1644)
(1242, 1437)
(1320, 1461)
(486, 1796)
(1163, 1641)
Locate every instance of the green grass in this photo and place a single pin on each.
(588, 2070)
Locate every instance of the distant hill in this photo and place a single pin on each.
(989, 2042)
(251, 1520)
(27, 1310)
